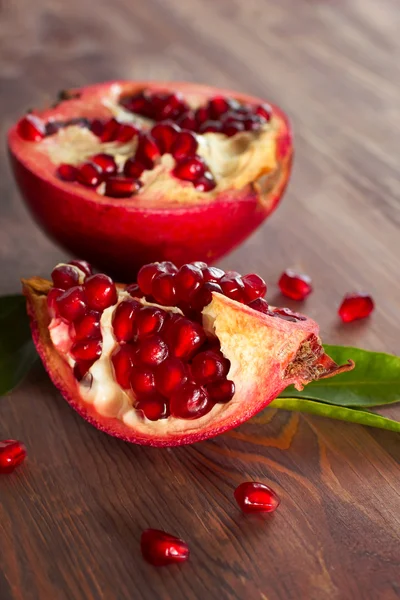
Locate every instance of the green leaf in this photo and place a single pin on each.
(17, 351)
(375, 381)
(351, 415)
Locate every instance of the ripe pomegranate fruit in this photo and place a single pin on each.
(170, 373)
(125, 173)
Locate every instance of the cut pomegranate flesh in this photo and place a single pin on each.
(160, 548)
(296, 286)
(130, 365)
(12, 454)
(253, 497)
(356, 306)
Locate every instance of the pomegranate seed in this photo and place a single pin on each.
(142, 380)
(254, 497)
(288, 315)
(134, 290)
(110, 131)
(221, 391)
(201, 115)
(232, 128)
(296, 286)
(219, 105)
(260, 305)
(208, 366)
(163, 289)
(171, 320)
(356, 306)
(140, 104)
(153, 408)
(84, 266)
(190, 401)
(133, 168)
(100, 291)
(121, 187)
(146, 275)
(188, 121)
(210, 127)
(199, 263)
(204, 295)
(123, 360)
(81, 369)
(106, 162)
(184, 145)
(170, 375)
(67, 172)
(172, 106)
(52, 305)
(160, 548)
(253, 123)
(254, 287)
(97, 127)
(188, 280)
(124, 318)
(233, 287)
(149, 321)
(185, 338)
(126, 133)
(12, 454)
(31, 128)
(165, 134)
(152, 350)
(89, 174)
(86, 350)
(65, 277)
(189, 169)
(147, 150)
(88, 326)
(168, 267)
(265, 111)
(71, 305)
(212, 274)
(206, 183)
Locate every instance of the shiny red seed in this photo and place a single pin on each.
(147, 150)
(126, 133)
(89, 174)
(134, 290)
(86, 350)
(356, 306)
(260, 305)
(232, 128)
(124, 359)
(221, 391)
(184, 145)
(167, 267)
(133, 168)
(67, 172)
(100, 291)
(201, 115)
(110, 131)
(84, 266)
(208, 366)
(149, 320)
(254, 497)
(253, 123)
(189, 169)
(160, 548)
(81, 369)
(121, 187)
(185, 338)
(190, 401)
(210, 127)
(233, 287)
(146, 276)
(163, 289)
(31, 128)
(212, 274)
(188, 280)
(172, 106)
(106, 162)
(296, 286)
(52, 297)
(165, 134)
(124, 319)
(204, 295)
(12, 454)
(142, 380)
(87, 327)
(264, 111)
(151, 351)
(188, 121)
(254, 287)
(64, 277)
(140, 104)
(154, 408)
(170, 375)
(206, 183)
(97, 127)
(219, 105)
(71, 305)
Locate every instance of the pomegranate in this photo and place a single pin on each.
(175, 371)
(12, 454)
(355, 306)
(253, 497)
(125, 173)
(160, 548)
(296, 286)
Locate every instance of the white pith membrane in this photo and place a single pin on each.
(234, 161)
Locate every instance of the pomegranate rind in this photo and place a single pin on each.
(234, 323)
(124, 234)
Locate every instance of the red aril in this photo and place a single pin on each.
(170, 375)
(84, 266)
(185, 339)
(165, 135)
(163, 289)
(124, 318)
(220, 105)
(87, 327)
(188, 280)
(146, 276)
(31, 128)
(121, 187)
(153, 408)
(65, 277)
(355, 306)
(260, 305)
(187, 121)
(190, 168)
(233, 287)
(204, 295)
(232, 128)
(254, 286)
(133, 168)
(100, 291)
(147, 150)
(89, 174)
(151, 351)
(184, 145)
(190, 401)
(123, 360)
(106, 162)
(126, 133)
(12, 454)
(67, 172)
(201, 115)
(264, 111)
(160, 548)
(205, 183)
(71, 305)
(142, 380)
(52, 297)
(221, 391)
(296, 286)
(253, 497)
(110, 130)
(149, 321)
(212, 274)
(208, 366)
(86, 350)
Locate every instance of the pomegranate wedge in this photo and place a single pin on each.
(125, 173)
(206, 357)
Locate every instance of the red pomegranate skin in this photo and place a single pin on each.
(120, 235)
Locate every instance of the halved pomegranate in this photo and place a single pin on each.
(125, 173)
(170, 373)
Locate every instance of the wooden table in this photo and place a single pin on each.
(71, 518)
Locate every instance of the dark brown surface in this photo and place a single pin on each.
(71, 518)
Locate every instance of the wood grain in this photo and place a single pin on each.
(70, 519)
